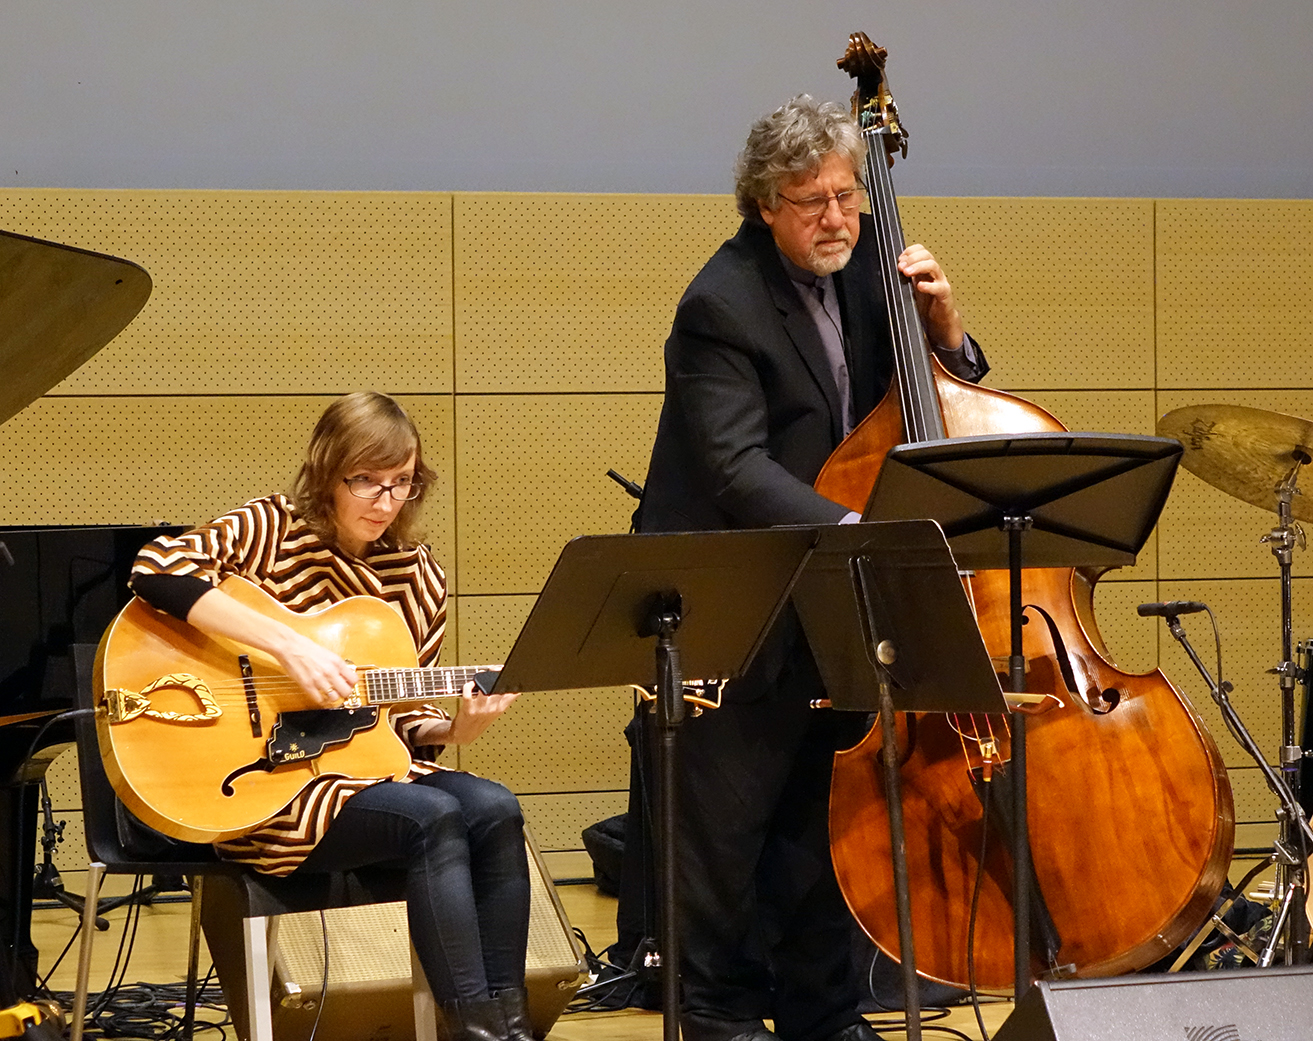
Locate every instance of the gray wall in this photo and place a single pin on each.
(1009, 97)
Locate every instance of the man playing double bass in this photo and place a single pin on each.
(779, 346)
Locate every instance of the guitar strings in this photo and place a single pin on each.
(234, 690)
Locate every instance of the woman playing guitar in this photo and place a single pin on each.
(348, 531)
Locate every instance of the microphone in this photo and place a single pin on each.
(1170, 608)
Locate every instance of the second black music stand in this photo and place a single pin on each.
(1080, 500)
(889, 624)
(608, 616)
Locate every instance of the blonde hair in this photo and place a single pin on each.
(361, 431)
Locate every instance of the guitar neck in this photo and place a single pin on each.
(395, 686)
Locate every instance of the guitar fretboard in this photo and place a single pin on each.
(384, 686)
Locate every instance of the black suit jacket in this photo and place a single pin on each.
(751, 410)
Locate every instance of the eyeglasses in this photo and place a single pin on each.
(813, 206)
(367, 488)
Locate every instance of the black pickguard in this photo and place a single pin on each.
(305, 735)
(300, 736)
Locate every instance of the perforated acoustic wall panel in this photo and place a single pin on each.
(1249, 619)
(571, 292)
(533, 476)
(525, 332)
(1229, 333)
(184, 460)
(264, 292)
(1132, 641)
(563, 751)
(1255, 812)
(128, 460)
(1235, 283)
(1060, 291)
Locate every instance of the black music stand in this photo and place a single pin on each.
(608, 616)
(889, 624)
(1081, 500)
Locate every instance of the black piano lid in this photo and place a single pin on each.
(59, 305)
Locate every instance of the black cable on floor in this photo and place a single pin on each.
(147, 1010)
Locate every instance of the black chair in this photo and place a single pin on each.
(118, 843)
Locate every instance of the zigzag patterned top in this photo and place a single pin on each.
(268, 543)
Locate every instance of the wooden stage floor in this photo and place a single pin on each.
(160, 956)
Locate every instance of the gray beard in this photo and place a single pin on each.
(828, 264)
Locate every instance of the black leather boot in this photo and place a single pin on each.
(515, 1007)
(475, 1020)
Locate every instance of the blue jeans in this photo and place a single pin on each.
(460, 839)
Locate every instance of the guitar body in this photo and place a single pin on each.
(171, 773)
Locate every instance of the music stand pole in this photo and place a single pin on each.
(1021, 870)
(881, 656)
(662, 622)
(902, 887)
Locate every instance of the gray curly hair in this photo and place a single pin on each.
(792, 140)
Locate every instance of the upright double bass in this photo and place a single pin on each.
(1131, 819)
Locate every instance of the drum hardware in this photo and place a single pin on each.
(1257, 456)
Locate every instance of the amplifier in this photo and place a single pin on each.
(1243, 1005)
(370, 997)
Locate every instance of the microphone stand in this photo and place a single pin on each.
(1294, 842)
(47, 883)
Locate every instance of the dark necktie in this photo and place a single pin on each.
(827, 325)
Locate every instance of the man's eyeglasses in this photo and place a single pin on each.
(367, 488)
(813, 206)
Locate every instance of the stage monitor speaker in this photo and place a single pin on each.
(369, 983)
(1241, 1005)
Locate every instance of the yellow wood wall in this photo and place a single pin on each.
(524, 333)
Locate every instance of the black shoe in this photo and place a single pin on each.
(515, 1007)
(856, 1032)
(694, 1026)
(474, 1020)
(699, 1028)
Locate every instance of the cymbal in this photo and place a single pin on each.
(1246, 452)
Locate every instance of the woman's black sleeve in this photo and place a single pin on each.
(172, 594)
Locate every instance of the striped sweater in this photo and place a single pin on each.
(269, 544)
